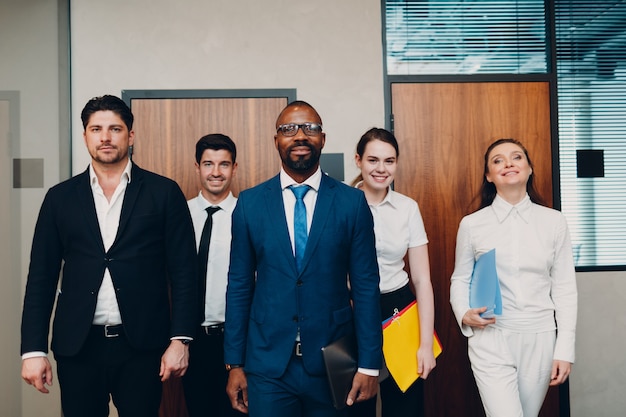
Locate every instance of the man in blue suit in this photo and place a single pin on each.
(287, 298)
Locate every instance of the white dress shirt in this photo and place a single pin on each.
(108, 212)
(398, 226)
(219, 253)
(535, 266)
(289, 199)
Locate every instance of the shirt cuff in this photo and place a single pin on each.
(181, 338)
(564, 347)
(369, 372)
(35, 354)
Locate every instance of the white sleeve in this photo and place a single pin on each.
(460, 281)
(564, 294)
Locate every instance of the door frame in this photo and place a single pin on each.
(550, 79)
(173, 403)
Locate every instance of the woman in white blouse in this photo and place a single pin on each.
(518, 354)
(399, 231)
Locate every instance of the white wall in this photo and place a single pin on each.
(330, 51)
(598, 380)
(10, 294)
(29, 65)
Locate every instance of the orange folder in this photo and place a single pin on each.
(401, 339)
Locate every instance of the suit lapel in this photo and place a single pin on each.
(84, 196)
(276, 214)
(130, 197)
(323, 206)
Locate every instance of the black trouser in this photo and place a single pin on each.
(205, 381)
(109, 367)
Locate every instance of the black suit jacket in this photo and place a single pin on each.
(153, 252)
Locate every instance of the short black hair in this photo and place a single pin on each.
(215, 141)
(111, 103)
(298, 103)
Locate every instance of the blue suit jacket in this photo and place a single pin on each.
(153, 253)
(267, 299)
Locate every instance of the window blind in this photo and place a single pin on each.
(465, 37)
(509, 37)
(591, 74)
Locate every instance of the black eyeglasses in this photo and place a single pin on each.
(309, 129)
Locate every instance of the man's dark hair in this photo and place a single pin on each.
(104, 103)
(215, 141)
(297, 103)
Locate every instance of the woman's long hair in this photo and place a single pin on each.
(488, 189)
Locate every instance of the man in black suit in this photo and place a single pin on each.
(126, 243)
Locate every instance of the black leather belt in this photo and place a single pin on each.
(109, 330)
(297, 349)
(214, 330)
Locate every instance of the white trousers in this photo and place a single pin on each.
(512, 370)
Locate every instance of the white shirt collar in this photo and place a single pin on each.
(503, 209)
(313, 181)
(389, 198)
(93, 179)
(227, 204)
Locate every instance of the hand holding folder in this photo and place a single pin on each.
(485, 287)
(340, 359)
(401, 340)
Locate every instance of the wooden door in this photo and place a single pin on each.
(166, 132)
(443, 130)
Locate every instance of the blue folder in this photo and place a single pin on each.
(485, 286)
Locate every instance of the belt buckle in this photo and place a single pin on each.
(298, 349)
(106, 331)
(215, 329)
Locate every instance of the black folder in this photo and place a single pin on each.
(340, 358)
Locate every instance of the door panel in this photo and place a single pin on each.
(443, 130)
(166, 132)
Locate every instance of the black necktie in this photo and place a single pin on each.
(203, 254)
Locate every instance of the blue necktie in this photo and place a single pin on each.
(299, 222)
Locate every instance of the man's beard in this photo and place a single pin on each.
(303, 163)
(111, 158)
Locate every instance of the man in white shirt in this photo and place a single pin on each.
(205, 380)
(126, 305)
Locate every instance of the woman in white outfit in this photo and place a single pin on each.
(530, 346)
